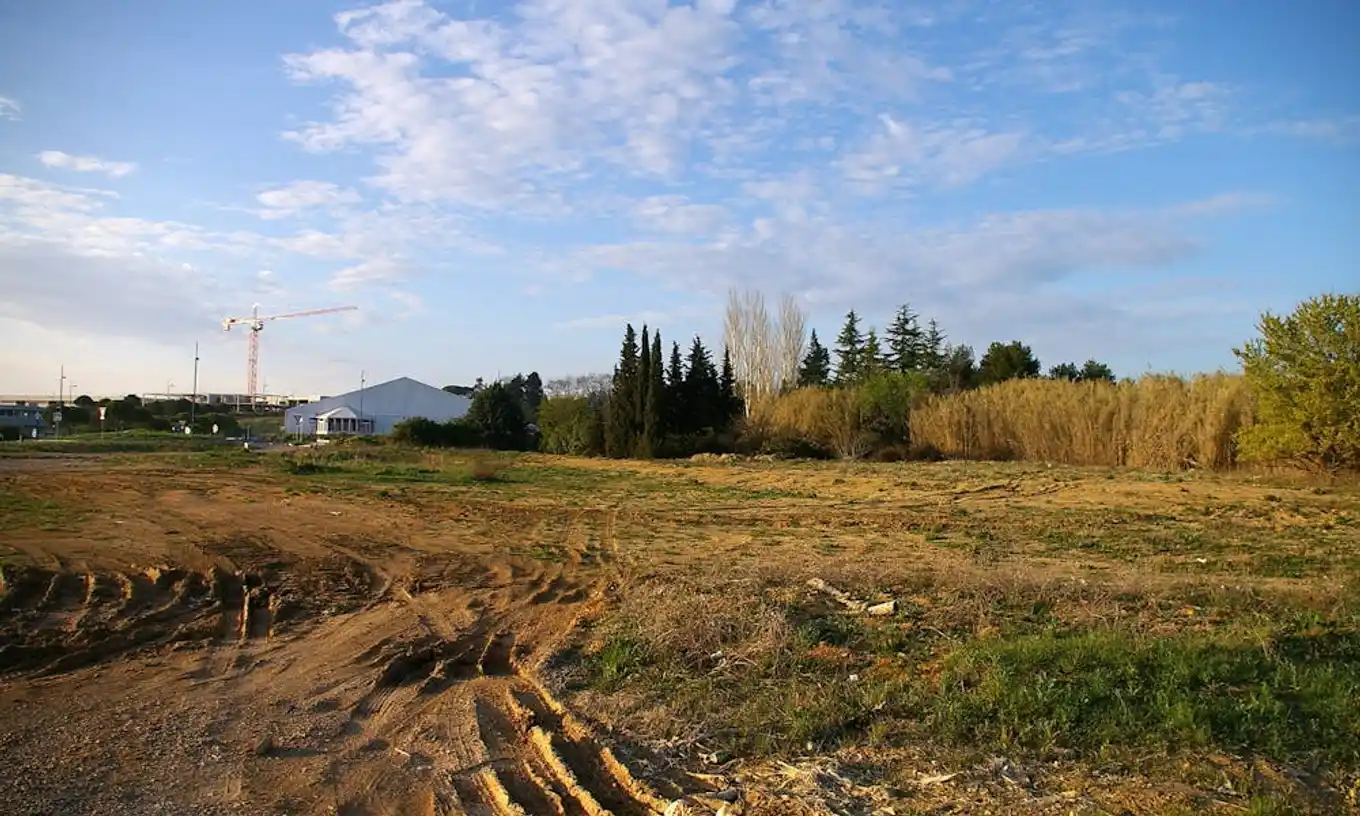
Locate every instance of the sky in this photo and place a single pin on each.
(499, 187)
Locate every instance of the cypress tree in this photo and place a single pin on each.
(816, 367)
(619, 435)
(676, 406)
(644, 379)
(653, 429)
(849, 350)
(702, 393)
(727, 387)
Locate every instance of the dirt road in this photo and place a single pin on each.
(209, 645)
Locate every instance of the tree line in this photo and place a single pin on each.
(772, 391)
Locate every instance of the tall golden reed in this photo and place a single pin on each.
(1158, 421)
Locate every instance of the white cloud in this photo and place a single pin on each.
(614, 321)
(370, 271)
(676, 215)
(845, 262)
(293, 198)
(1341, 130)
(9, 109)
(85, 164)
(906, 154)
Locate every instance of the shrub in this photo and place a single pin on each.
(567, 425)
(498, 417)
(427, 433)
(1305, 372)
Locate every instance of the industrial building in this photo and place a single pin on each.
(375, 409)
(24, 418)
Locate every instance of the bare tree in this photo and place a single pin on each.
(765, 355)
(792, 339)
(580, 385)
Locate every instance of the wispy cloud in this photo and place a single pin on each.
(293, 198)
(85, 164)
(614, 321)
(9, 109)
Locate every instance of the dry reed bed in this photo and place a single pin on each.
(1162, 422)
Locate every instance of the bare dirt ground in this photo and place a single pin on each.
(180, 634)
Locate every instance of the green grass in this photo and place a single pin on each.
(1286, 695)
(766, 676)
(19, 510)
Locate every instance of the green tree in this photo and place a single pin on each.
(871, 361)
(1007, 361)
(906, 343)
(849, 349)
(816, 367)
(933, 347)
(1092, 371)
(732, 404)
(619, 427)
(566, 425)
(1304, 369)
(84, 401)
(533, 394)
(702, 392)
(498, 417)
(958, 372)
(644, 379)
(654, 419)
(675, 390)
(1065, 371)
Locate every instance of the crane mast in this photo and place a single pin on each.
(254, 324)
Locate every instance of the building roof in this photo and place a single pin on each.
(402, 397)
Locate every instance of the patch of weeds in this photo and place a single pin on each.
(547, 552)
(1291, 695)
(305, 467)
(1277, 565)
(21, 510)
(620, 658)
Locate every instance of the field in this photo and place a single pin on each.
(369, 630)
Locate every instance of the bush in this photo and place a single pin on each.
(427, 433)
(1305, 372)
(498, 418)
(885, 402)
(566, 425)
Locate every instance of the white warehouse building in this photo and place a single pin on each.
(375, 409)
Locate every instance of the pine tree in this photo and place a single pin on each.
(619, 436)
(653, 428)
(906, 345)
(933, 347)
(727, 387)
(816, 367)
(871, 358)
(849, 349)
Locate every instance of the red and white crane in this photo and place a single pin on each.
(255, 323)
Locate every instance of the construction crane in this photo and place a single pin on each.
(255, 323)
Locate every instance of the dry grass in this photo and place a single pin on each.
(1160, 422)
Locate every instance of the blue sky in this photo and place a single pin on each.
(500, 186)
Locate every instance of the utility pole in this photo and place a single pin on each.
(193, 399)
(61, 393)
(362, 382)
